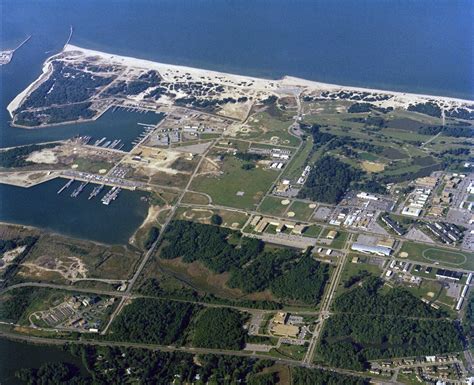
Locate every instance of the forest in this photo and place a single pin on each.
(328, 180)
(289, 275)
(10, 270)
(111, 365)
(350, 340)
(153, 321)
(305, 282)
(15, 303)
(303, 376)
(468, 323)
(16, 157)
(208, 244)
(370, 322)
(369, 298)
(219, 328)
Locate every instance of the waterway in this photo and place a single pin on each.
(17, 355)
(42, 207)
(115, 123)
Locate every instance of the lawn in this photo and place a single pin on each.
(299, 160)
(312, 231)
(302, 210)
(268, 128)
(224, 188)
(272, 206)
(433, 254)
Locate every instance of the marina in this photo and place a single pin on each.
(79, 217)
(108, 198)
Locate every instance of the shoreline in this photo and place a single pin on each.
(286, 84)
(285, 80)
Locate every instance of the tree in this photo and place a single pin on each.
(216, 220)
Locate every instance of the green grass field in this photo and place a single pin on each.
(299, 160)
(224, 188)
(272, 206)
(268, 128)
(432, 254)
(302, 210)
(312, 231)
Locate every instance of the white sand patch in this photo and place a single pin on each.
(46, 156)
(10, 255)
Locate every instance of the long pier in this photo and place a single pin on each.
(70, 36)
(69, 183)
(22, 43)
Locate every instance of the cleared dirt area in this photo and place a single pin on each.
(372, 166)
(59, 259)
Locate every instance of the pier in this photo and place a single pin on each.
(69, 183)
(111, 195)
(7, 55)
(96, 191)
(78, 190)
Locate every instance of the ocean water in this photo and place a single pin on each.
(419, 46)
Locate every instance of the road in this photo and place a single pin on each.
(184, 349)
(151, 251)
(326, 304)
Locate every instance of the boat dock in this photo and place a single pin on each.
(69, 183)
(79, 189)
(111, 195)
(96, 191)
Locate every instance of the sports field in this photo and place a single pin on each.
(433, 254)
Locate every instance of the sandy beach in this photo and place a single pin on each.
(287, 84)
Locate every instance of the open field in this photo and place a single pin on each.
(59, 259)
(271, 128)
(302, 210)
(273, 206)
(227, 188)
(231, 219)
(354, 269)
(432, 254)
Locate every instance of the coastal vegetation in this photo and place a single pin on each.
(65, 85)
(55, 115)
(16, 157)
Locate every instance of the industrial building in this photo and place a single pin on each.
(368, 249)
(392, 224)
